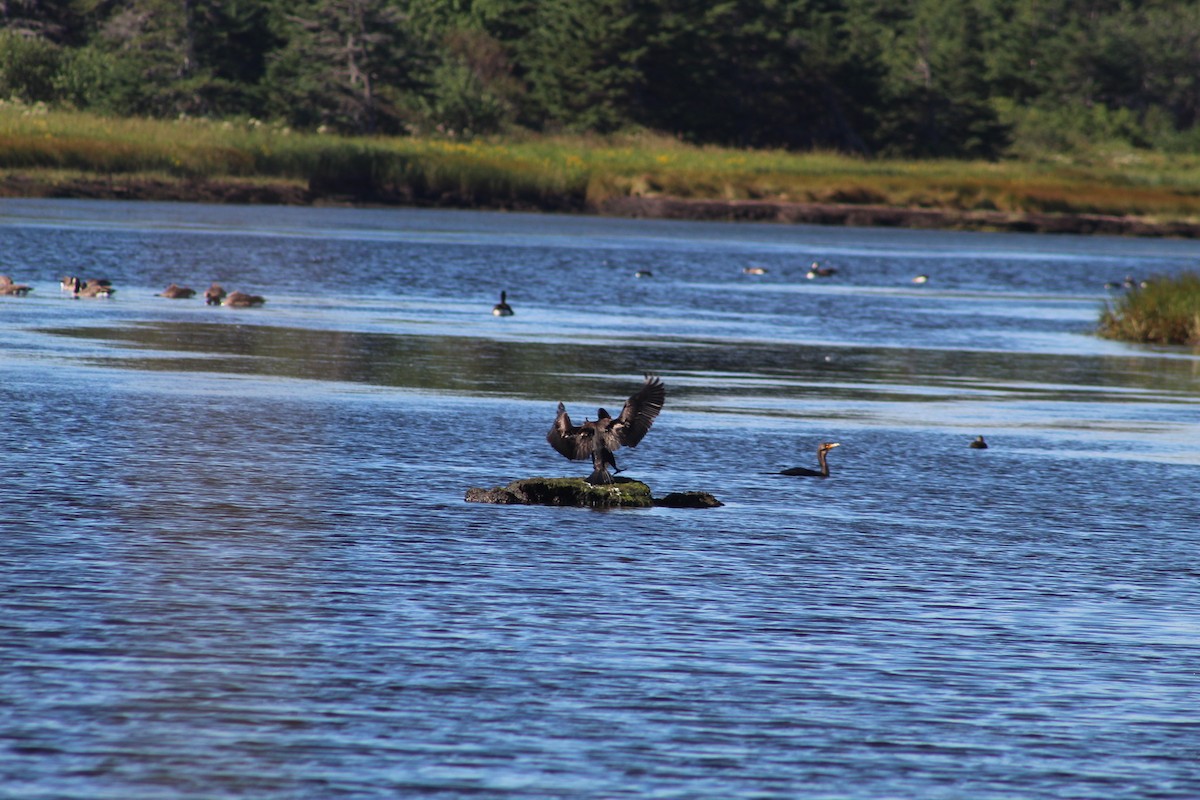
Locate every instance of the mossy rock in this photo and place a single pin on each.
(622, 493)
(688, 500)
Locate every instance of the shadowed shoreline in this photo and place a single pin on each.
(267, 192)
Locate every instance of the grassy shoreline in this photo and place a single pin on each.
(69, 154)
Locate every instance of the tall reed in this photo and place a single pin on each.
(571, 172)
(1163, 311)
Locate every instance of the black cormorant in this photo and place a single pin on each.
(812, 473)
(597, 440)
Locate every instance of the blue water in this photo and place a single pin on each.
(237, 562)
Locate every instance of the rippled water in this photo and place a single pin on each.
(237, 562)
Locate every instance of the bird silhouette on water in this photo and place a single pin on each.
(823, 472)
(176, 292)
(597, 440)
(817, 271)
(978, 443)
(502, 309)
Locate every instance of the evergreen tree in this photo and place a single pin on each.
(936, 92)
(346, 64)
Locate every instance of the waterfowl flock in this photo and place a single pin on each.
(1128, 283)
(214, 295)
(595, 440)
(97, 288)
(598, 439)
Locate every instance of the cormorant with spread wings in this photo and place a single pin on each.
(597, 440)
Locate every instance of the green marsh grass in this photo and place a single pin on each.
(577, 172)
(1163, 311)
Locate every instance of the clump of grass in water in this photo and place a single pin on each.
(1164, 311)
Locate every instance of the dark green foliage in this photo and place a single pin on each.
(935, 78)
(28, 65)
(936, 92)
(473, 90)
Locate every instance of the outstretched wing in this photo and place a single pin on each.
(639, 412)
(572, 441)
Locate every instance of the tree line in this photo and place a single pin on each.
(898, 78)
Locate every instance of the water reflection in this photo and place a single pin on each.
(754, 376)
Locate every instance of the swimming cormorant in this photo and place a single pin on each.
(978, 443)
(502, 309)
(812, 473)
(597, 440)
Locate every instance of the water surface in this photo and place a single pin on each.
(238, 564)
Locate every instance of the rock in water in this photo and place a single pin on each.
(688, 500)
(622, 493)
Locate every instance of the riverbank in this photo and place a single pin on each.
(894, 217)
(297, 192)
(49, 153)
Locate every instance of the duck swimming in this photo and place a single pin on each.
(597, 440)
(502, 309)
(7, 287)
(978, 443)
(214, 294)
(817, 271)
(177, 292)
(242, 300)
(94, 287)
